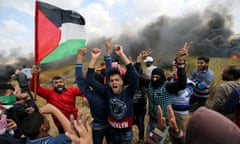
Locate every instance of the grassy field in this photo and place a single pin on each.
(216, 64)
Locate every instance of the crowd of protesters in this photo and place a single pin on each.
(120, 98)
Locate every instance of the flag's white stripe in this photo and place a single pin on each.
(72, 31)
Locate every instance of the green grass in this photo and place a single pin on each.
(68, 72)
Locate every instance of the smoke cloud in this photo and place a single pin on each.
(209, 32)
(9, 63)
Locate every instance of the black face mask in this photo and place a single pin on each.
(159, 82)
(156, 84)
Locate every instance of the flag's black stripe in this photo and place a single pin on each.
(59, 16)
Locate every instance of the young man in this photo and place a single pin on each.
(160, 91)
(35, 127)
(97, 103)
(230, 74)
(180, 100)
(203, 76)
(23, 81)
(27, 72)
(60, 96)
(149, 66)
(140, 100)
(140, 104)
(120, 99)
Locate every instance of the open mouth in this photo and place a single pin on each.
(115, 87)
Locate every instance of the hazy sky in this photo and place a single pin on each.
(103, 17)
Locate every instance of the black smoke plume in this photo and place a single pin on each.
(7, 69)
(208, 31)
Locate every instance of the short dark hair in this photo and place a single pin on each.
(114, 71)
(4, 87)
(31, 124)
(234, 70)
(57, 78)
(204, 58)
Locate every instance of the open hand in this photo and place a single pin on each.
(82, 130)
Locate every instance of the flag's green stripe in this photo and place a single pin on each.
(8, 100)
(67, 48)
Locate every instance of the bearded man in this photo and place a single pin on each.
(60, 96)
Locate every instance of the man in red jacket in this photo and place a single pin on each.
(60, 96)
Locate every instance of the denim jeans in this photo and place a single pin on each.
(121, 136)
(98, 135)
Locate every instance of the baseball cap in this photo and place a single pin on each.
(148, 59)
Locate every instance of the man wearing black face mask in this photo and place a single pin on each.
(60, 96)
(160, 91)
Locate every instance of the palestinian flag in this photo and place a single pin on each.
(59, 33)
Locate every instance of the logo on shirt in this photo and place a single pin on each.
(118, 109)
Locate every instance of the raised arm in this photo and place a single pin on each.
(133, 80)
(95, 53)
(41, 91)
(81, 82)
(181, 73)
(108, 45)
(143, 54)
(118, 49)
(81, 54)
(51, 109)
(108, 58)
(36, 70)
(144, 79)
(97, 86)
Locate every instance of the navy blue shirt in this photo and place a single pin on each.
(98, 104)
(120, 106)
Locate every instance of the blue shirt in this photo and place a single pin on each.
(98, 103)
(59, 139)
(203, 80)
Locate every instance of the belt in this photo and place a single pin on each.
(100, 127)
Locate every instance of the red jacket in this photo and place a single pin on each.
(65, 102)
